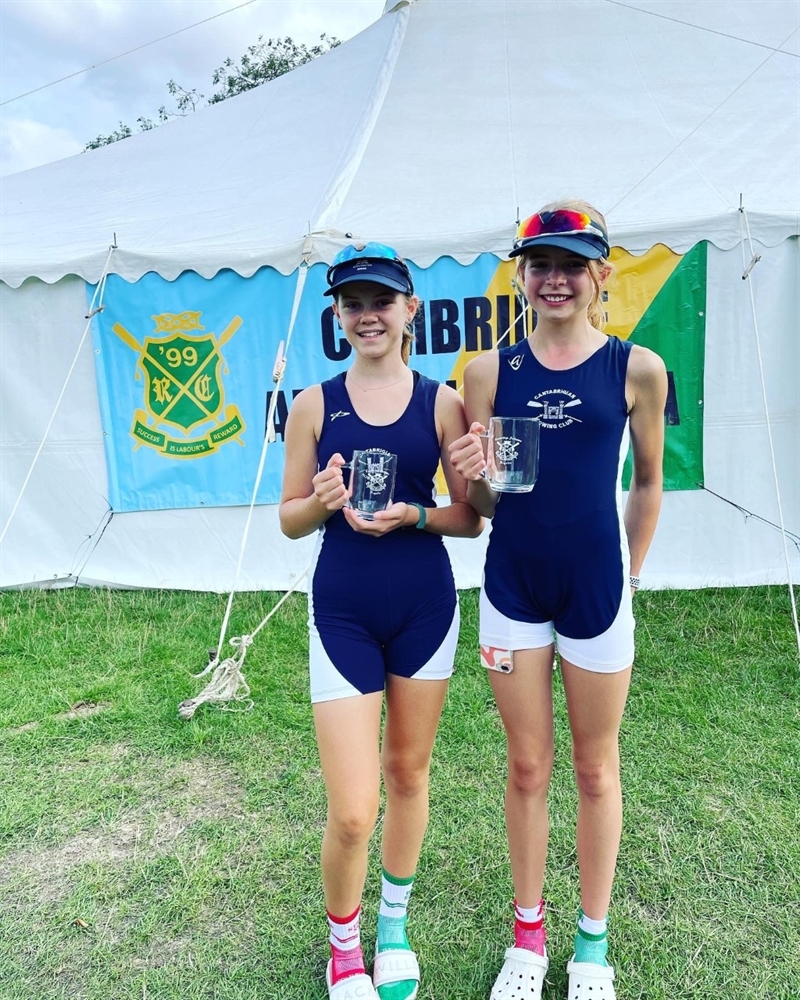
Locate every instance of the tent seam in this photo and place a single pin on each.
(344, 172)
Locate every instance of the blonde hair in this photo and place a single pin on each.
(408, 334)
(598, 269)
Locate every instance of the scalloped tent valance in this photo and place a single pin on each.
(433, 129)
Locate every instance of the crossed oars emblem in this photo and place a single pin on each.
(183, 389)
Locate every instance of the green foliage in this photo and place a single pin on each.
(266, 60)
(123, 131)
(142, 855)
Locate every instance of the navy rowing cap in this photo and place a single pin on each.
(374, 263)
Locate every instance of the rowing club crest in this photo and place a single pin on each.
(183, 386)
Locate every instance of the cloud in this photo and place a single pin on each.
(25, 144)
(45, 40)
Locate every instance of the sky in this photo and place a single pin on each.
(42, 41)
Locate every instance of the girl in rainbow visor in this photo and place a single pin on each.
(561, 568)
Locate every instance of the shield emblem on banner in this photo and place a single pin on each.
(183, 384)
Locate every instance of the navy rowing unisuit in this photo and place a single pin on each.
(558, 561)
(381, 605)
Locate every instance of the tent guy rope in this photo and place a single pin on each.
(93, 310)
(120, 55)
(227, 680)
(744, 228)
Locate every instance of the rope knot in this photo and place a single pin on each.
(227, 682)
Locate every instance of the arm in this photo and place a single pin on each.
(308, 497)
(467, 453)
(646, 389)
(459, 519)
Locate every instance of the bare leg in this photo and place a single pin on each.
(348, 735)
(525, 701)
(595, 703)
(413, 709)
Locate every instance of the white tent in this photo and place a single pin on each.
(432, 131)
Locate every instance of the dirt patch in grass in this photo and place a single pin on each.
(174, 799)
(80, 710)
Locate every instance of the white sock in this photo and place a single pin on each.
(593, 926)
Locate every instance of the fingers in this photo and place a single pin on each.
(383, 521)
(329, 486)
(467, 453)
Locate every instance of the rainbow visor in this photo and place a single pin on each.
(564, 228)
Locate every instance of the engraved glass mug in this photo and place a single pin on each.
(372, 478)
(512, 454)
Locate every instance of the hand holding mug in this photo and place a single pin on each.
(381, 522)
(329, 486)
(468, 453)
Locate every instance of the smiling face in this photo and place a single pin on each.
(558, 284)
(374, 317)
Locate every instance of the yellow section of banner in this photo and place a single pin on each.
(500, 285)
(633, 286)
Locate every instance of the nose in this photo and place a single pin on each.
(556, 275)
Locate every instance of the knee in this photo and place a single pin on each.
(352, 826)
(530, 776)
(597, 778)
(405, 777)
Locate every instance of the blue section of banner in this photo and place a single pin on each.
(184, 372)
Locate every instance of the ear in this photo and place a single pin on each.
(604, 272)
(335, 307)
(412, 303)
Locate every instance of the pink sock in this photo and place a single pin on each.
(529, 927)
(347, 958)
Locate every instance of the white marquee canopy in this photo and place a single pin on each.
(433, 130)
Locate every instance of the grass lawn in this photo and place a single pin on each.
(149, 858)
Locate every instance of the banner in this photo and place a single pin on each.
(659, 301)
(184, 367)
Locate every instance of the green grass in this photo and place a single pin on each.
(149, 858)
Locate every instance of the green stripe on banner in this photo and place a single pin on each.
(674, 326)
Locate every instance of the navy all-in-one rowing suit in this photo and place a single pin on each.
(559, 553)
(385, 604)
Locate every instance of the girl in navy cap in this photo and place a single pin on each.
(562, 564)
(383, 611)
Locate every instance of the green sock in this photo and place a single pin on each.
(591, 947)
(395, 893)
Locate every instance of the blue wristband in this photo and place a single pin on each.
(423, 515)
